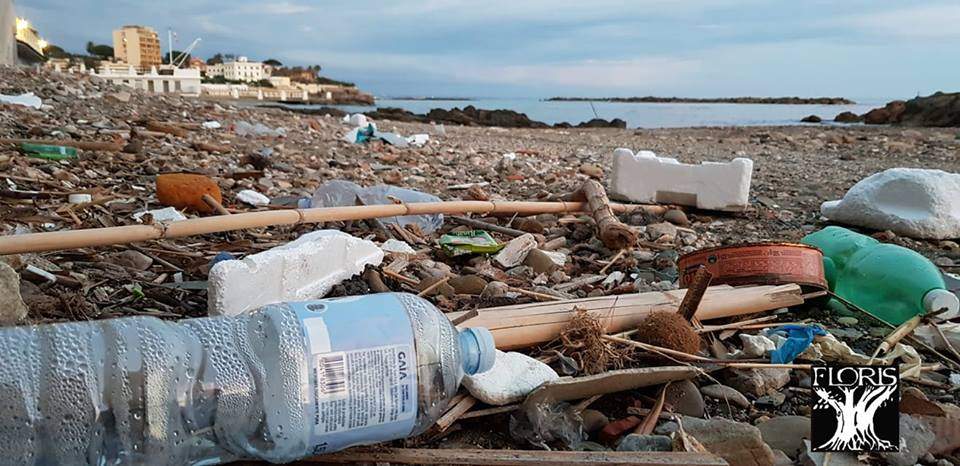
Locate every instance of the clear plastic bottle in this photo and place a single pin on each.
(284, 382)
(341, 193)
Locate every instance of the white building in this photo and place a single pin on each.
(182, 81)
(240, 69)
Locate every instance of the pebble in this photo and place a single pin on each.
(468, 284)
(849, 321)
(541, 261)
(723, 392)
(685, 399)
(657, 230)
(676, 217)
(495, 290)
(12, 308)
(514, 253)
(593, 420)
(637, 442)
(943, 261)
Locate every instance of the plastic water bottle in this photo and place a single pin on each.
(342, 193)
(284, 382)
(891, 282)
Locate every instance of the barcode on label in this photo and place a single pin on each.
(332, 374)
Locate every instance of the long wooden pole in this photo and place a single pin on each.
(72, 239)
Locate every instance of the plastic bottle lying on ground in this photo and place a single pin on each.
(284, 382)
(341, 193)
(891, 282)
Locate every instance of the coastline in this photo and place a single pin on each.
(709, 100)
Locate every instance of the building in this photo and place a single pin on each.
(29, 44)
(8, 45)
(280, 81)
(182, 81)
(198, 64)
(138, 46)
(240, 69)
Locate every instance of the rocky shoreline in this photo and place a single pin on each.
(717, 100)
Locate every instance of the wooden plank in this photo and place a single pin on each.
(518, 457)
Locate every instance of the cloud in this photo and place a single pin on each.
(938, 21)
(282, 8)
(636, 74)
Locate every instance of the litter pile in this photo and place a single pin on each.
(680, 329)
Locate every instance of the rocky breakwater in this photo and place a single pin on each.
(472, 116)
(940, 109)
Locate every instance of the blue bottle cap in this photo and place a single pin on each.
(477, 350)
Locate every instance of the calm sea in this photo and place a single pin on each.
(641, 115)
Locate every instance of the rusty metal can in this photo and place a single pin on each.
(758, 264)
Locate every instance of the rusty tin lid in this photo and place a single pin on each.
(758, 264)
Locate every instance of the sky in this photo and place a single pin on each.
(861, 49)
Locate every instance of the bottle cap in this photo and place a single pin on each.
(477, 350)
(938, 299)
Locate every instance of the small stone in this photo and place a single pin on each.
(771, 401)
(948, 245)
(916, 438)
(495, 290)
(879, 332)
(529, 225)
(944, 462)
(12, 307)
(122, 96)
(131, 259)
(676, 217)
(444, 289)
(837, 458)
(512, 377)
(781, 459)
(468, 284)
(758, 382)
(544, 261)
(723, 392)
(637, 442)
(253, 198)
(786, 433)
(943, 261)
(848, 321)
(740, 444)
(657, 230)
(593, 420)
(685, 398)
(514, 253)
(591, 170)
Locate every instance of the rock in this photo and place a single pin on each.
(657, 230)
(786, 433)
(529, 225)
(723, 392)
(601, 123)
(848, 321)
(593, 171)
(913, 202)
(811, 119)
(781, 459)
(472, 116)
(939, 109)
(847, 117)
(514, 253)
(888, 114)
(495, 290)
(685, 398)
(131, 259)
(916, 438)
(770, 401)
(943, 261)
(122, 96)
(12, 307)
(837, 458)
(441, 290)
(758, 382)
(468, 284)
(544, 261)
(593, 420)
(676, 217)
(513, 376)
(637, 442)
(739, 443)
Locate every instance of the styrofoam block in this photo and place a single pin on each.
(253, 198)
(306, 268)
(512, 377)
(644, 177)
(913, 202)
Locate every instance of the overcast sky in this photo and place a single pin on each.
(538, 48)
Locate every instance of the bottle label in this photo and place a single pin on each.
(361, 367)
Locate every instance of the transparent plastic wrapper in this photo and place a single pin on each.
(285, 382)
(340, 193)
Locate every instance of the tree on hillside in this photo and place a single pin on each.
(273, 62)
(215, 60)
(53, 51)
(102, 51)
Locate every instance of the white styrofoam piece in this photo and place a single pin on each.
(396, 246)
(306, 268)
(418, 139)
(356, 119)
(212, 124)
(644, 177)
(253, 198)
(164, 215)
(26, 100)
(512, 378)
(80, 198)
(913, 202)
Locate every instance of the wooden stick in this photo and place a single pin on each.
(614, 233)
(167, 128)
(650, 422)
(454, 413)
(736, 325)
(490, 411)
(444, 456)
(617, 257)
(435, 285)
(534, 294)
(72, 239)
(698, 285)
(210, 201)
(82, 145)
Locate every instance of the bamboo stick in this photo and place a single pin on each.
(611, 231)
(72, 239)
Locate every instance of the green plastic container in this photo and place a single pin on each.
(891, 282)
(42, 151)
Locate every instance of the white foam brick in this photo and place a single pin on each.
(912, 202)
(306, 268)
(512, 377)
(644, 177)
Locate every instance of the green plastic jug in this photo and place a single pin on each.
(891, 282)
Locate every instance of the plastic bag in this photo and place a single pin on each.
(340, 193)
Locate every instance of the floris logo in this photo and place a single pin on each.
(856, 408)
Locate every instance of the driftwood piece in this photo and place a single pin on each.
(612, 232)
(698, 286)
(478, 457)
(167, 128)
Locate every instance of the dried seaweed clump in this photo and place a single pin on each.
(582, 340)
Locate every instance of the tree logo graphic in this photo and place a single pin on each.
(856, 408)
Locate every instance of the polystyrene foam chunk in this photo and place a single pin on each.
(912, 202)
(512, 377)
(304, 269)
(644, 177)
